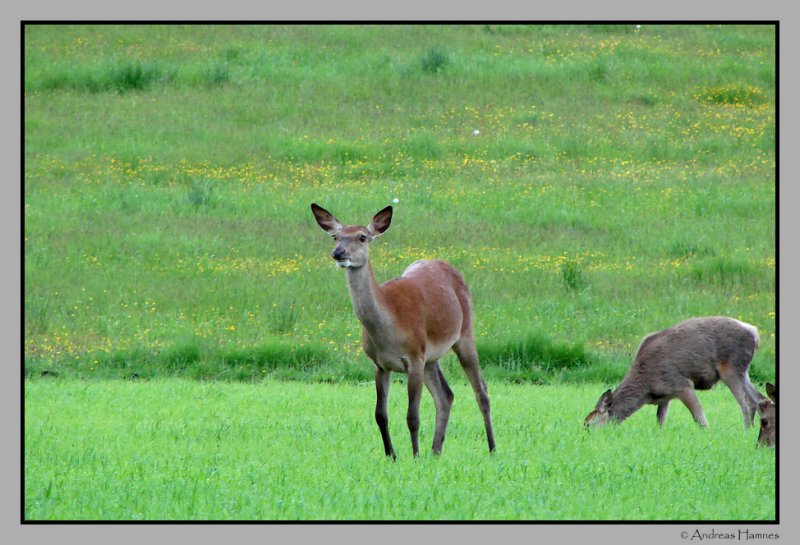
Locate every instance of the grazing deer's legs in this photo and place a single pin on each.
(742, 394)
(468, 357)
(755, 396)
(689, 399)
(382, 383)
(442, 399)
(415, 380)
(661, 413)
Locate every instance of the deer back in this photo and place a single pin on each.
(695, 349)
(430, 304)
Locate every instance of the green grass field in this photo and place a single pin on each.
(620, 180)
(185, 450)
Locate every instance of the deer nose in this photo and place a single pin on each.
(338, 253)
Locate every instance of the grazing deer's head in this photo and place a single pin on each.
(600, 416)
(352, 241)
(767, 409)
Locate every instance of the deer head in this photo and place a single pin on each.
(352, 241)
(600, 416)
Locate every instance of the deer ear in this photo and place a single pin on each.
(380, 222)
(772, 392)
(325, 219)
(604, 404)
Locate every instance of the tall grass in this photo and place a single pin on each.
(620, 180)
(116, 76)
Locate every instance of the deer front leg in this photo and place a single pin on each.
(415, 381)
(689, 399)
(382, 383)
(661, 413)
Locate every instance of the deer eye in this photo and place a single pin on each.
(362, 238)
(764, 422)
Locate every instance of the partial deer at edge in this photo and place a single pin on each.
(673, 363)
(408, 324)
(767, 408)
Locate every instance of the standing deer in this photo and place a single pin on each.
(673, 363)
(767, 409)
(407, 324)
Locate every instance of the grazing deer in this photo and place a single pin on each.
(673, 363)
(407, 324)
(767, 409)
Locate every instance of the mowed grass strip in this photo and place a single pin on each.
(187, 450)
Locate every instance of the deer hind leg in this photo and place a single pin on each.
(741, 388)
(753, 394)
(661, 413)
(468, 357)
(442, 399)
(689, 398)
(382, 384)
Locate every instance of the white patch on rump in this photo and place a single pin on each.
(416, 265)
(751, 328)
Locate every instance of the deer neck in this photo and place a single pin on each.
(628, 398)
(365, 295)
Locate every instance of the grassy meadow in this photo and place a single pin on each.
(593, 183)
(173, 449)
